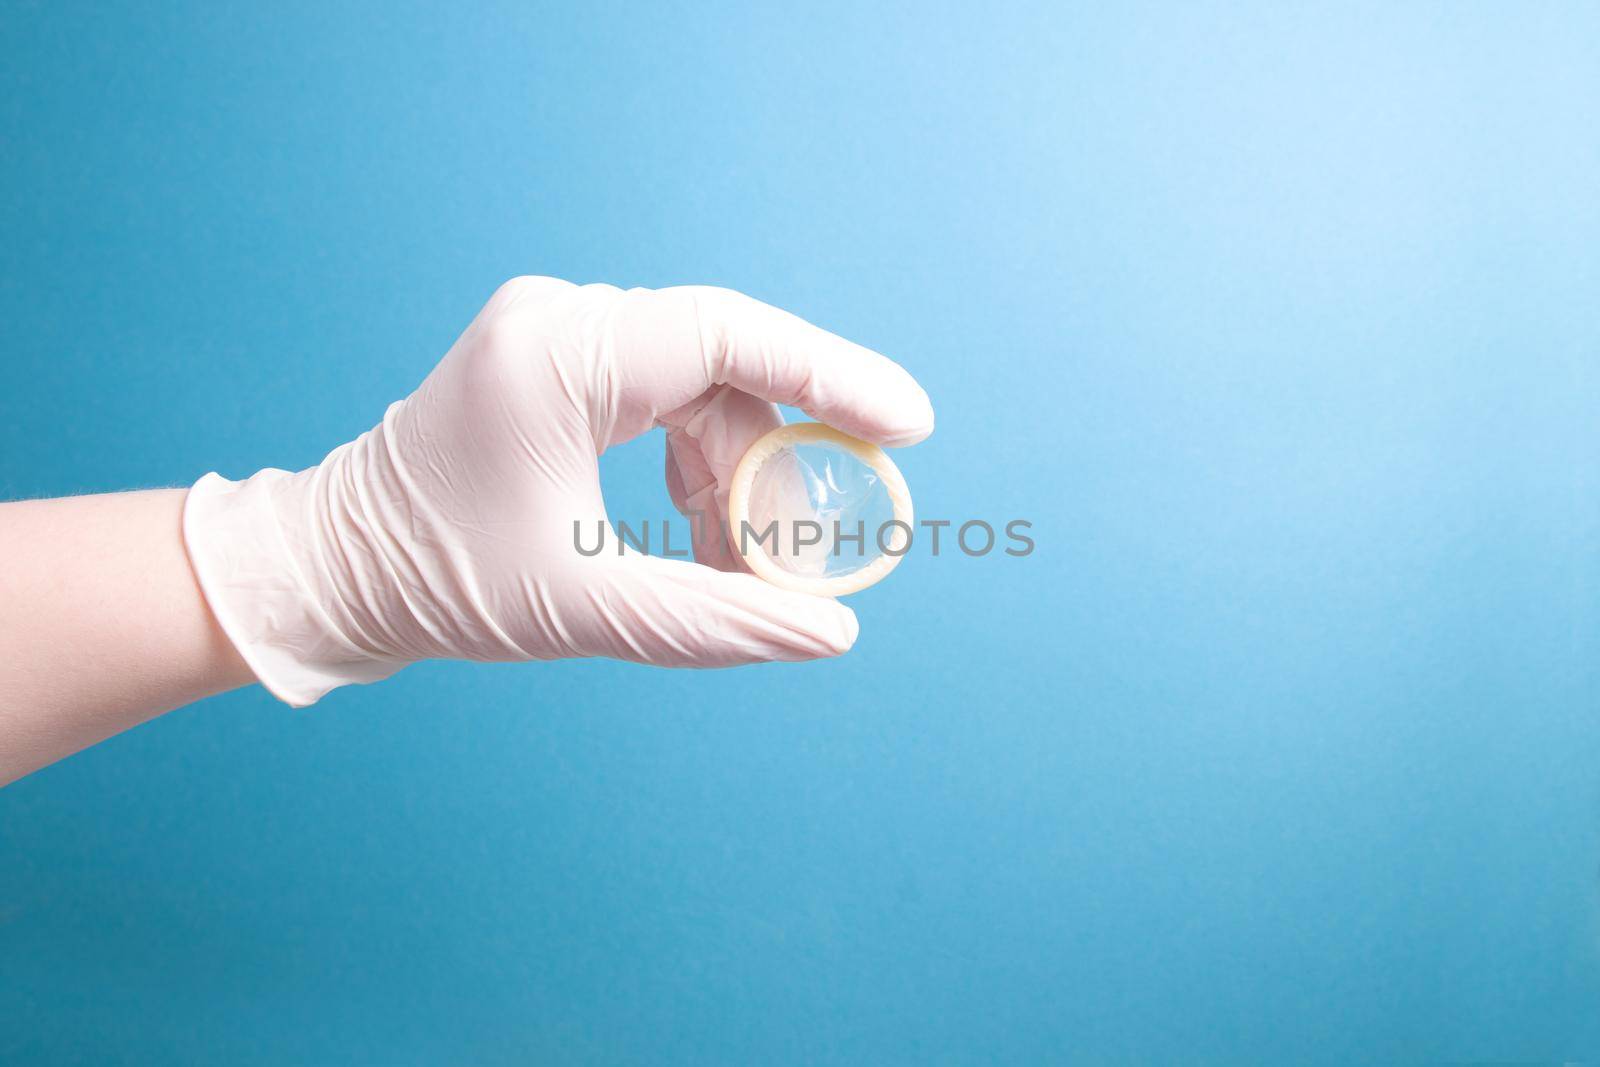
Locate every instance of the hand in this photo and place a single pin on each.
(447, 529)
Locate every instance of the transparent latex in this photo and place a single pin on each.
(820, 497)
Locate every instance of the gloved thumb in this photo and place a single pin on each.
(673, 613)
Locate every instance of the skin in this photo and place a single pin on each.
(103, 626)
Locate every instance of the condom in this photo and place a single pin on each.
(817, 511)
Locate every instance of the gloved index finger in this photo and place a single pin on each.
(781, 357)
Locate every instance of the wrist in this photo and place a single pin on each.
(254, 549)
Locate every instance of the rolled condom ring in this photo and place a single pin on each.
(815, 510)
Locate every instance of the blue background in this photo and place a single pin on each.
(1281, 325)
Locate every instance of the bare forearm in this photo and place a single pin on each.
(102, 625)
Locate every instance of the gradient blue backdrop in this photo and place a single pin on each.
(1280, 324)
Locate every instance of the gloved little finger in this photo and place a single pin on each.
(705, 441)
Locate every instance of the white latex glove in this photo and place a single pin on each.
(446, 531)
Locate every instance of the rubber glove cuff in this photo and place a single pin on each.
(240, 546)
